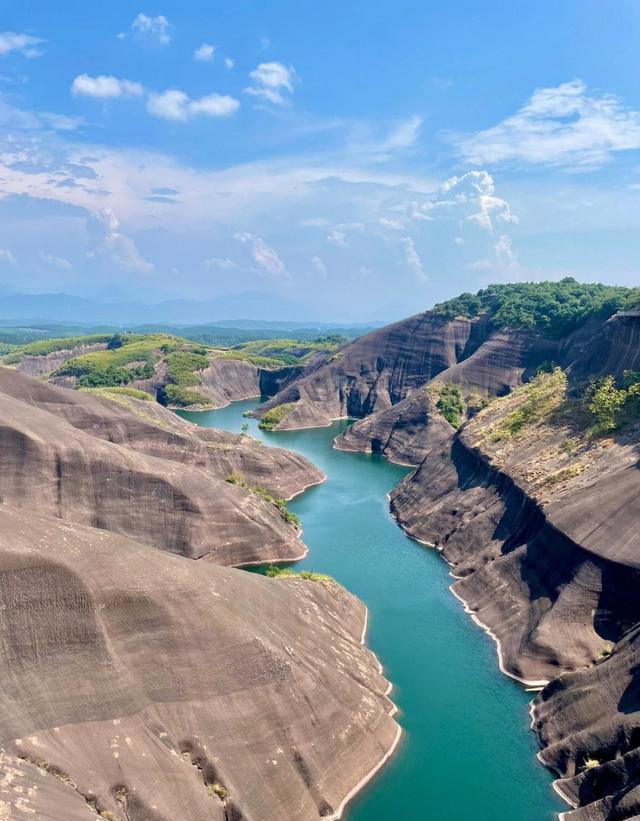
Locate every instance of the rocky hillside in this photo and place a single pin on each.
(171, 369)
(137, 684)
(122, 464)
(526, 446)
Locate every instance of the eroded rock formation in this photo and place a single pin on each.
(142, 472)
(137, 685)
(541, 529)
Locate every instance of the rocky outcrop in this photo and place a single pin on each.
(88, 460)
(540, 528)
(378, 370)
(589, 724)
(45, 364)
(230, 380)
(405, 433)
(149, 428)
(136, 685)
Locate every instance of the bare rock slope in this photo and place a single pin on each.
(137, 685)
(141, 472)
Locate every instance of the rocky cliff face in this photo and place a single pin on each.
(136, 685)
(47, 363)
(141, 472)
(540, 527)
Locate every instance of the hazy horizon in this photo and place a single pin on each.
(352, 164)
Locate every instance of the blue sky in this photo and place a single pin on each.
(353, 161)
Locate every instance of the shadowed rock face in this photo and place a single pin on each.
(545, 557)
(377, 370)
(132, 681)
(142, 472)
(383, 368)
(592, 717)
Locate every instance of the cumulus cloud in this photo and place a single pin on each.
(7, 257)
(338, 238)
(61, 263)
(229, 62)
(205, 53)
(104, 228)
(412, 258)
(25, 44)
(105, 87)
(562, 125)
(177, 105)
(219, 264)
(154, 28)
(272, 82)
(264, 255)
(472, 197)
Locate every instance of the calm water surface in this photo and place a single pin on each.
(467, 752)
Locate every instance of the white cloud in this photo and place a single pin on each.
(403, 135)
(176, 105)
(219, 264)
(205, 53)
(471, 197)
(7, 257)
(156, 28)
(480, 265)
(105, 87)
(264, 255)
(338, 238)
(25, 44)
(319, 268)
(111, 242)
(61, 263)
(229, 62)
(412, 259)
(271, 81)
(563, 125)
(61, 122)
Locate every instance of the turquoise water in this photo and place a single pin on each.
(467, 752)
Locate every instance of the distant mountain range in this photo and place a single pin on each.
(251, 307)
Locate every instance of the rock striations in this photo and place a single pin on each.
(137, 684)
(140, 686)
(538, 518)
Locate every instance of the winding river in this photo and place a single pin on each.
(467, 752)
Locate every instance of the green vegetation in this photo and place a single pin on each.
(116, 390)
(133, 357)
(543, 396)
(269, 363)
(450, 404)
(612, 407)
(218, 790)
(555, 308)
(590, 764)
(287, 515)
(276, 353)
(273, 417)
(181, 367)
(275, 572)
(181, 397)
(42, 347)
(633, 302)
